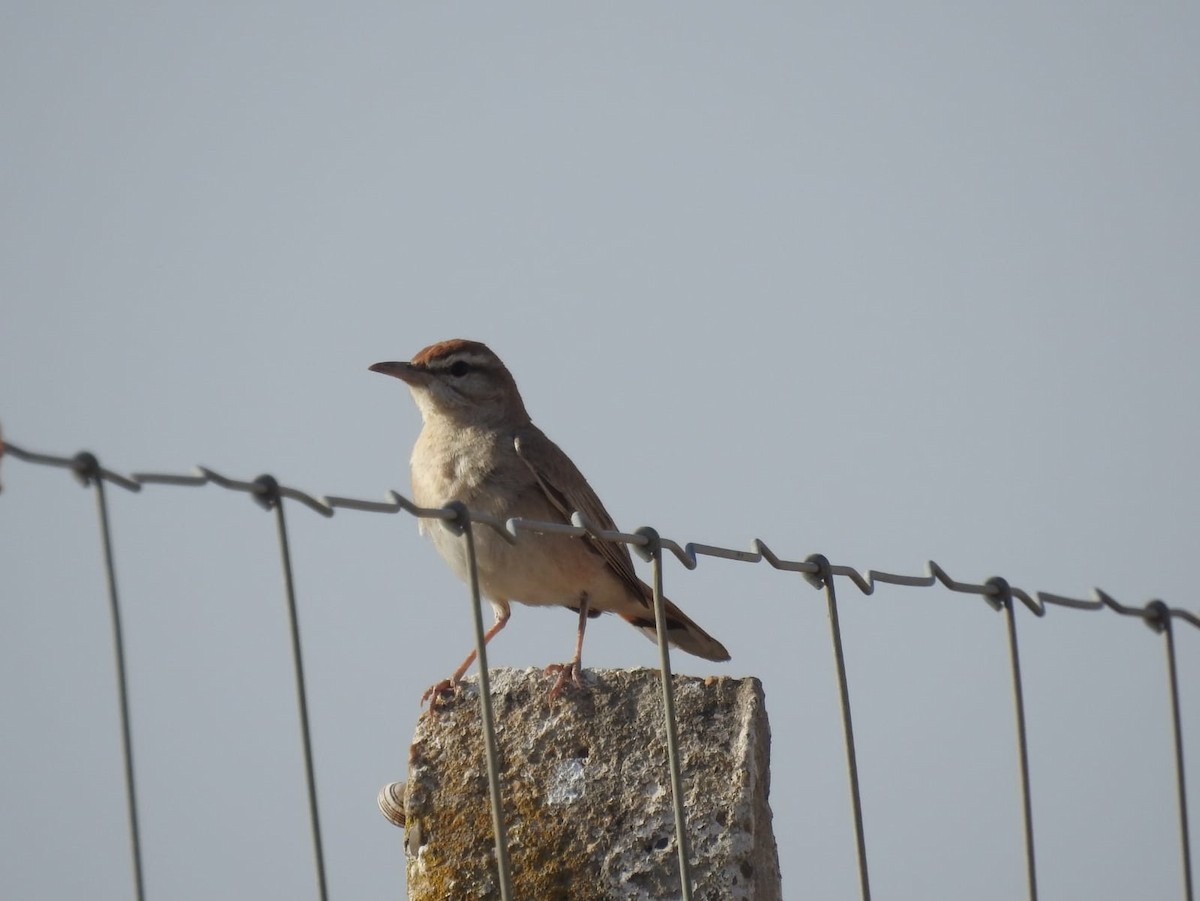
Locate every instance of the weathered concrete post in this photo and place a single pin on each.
(586, 792)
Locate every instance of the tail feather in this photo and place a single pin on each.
(682, 632)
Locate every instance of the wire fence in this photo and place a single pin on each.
(816, 569)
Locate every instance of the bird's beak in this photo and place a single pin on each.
(406, 372)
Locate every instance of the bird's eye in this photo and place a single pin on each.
(460, 368)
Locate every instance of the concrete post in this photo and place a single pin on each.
(586, 792)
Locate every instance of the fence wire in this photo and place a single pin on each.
(997, 592)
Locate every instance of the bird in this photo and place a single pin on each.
(479, 446)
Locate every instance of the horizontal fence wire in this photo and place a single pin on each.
(997, 592)
(688, 554)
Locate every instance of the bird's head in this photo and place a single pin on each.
(462, 380)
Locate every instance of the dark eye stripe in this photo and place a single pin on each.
(457, 364)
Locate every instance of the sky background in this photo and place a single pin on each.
(889, 283)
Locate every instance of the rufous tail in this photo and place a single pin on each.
(681, 632)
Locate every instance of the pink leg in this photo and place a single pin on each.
(449, 686)
(573, 669)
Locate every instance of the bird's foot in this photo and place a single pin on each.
(572, 672)
(438, 695)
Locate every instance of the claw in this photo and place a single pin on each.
(437, 695)
(572, 671)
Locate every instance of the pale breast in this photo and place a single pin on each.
(483, 471)
(451, 465)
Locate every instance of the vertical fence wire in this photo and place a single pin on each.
(1164, 623)
(654, 550)
(269, 497)
(135, 840)
(1003, 596)
(503, 865)
(825, 579)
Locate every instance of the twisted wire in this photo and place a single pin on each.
(688, 554)
(997, 592)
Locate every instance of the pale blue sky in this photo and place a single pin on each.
(887, 284)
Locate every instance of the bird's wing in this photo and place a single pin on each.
(568, 491)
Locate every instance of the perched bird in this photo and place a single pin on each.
(479, 446)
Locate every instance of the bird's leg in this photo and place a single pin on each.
(571, 670)
(449, 686)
